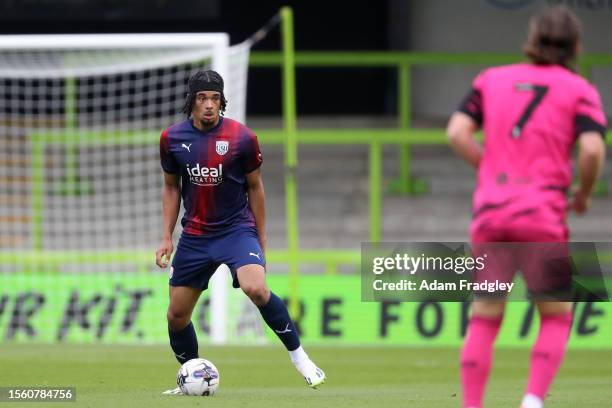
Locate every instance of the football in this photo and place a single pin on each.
(198, 377)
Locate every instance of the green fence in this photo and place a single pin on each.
(403, 136)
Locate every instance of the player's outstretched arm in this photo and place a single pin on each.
(171, 202)
(460, 131)
(257, 201)
(590, 164)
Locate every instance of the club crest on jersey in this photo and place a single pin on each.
(205, 176)
(222, 147)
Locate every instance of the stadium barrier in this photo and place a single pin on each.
(125, 308)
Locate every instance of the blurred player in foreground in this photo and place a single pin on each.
(214, 164)
(532, 114)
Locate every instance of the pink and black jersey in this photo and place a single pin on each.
(531, 116)
(213, 166)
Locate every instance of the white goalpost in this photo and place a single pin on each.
(80, 119)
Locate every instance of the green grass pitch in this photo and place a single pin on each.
(135, 376)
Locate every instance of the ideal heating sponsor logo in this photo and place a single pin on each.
(205, 176)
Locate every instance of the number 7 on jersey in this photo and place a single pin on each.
(539, 91)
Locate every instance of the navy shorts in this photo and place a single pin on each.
(198, 256)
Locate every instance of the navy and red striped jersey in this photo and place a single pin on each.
(213, 166)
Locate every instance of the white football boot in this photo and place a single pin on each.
(174, 391)
(313, 375)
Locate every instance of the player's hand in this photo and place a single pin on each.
(162, 256)
(581, 201)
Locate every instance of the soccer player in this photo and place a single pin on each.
(213, 163)
(531, 114)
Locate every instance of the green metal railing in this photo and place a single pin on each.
(290, 128)
(373, 138)
(403, 62)
(290, 136)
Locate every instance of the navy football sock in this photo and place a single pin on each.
(277, 318)
(184, 343)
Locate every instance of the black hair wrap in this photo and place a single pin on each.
(202, 81)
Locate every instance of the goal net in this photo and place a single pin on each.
(80, 203)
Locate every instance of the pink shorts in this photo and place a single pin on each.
(495, 227)
(539, 251)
